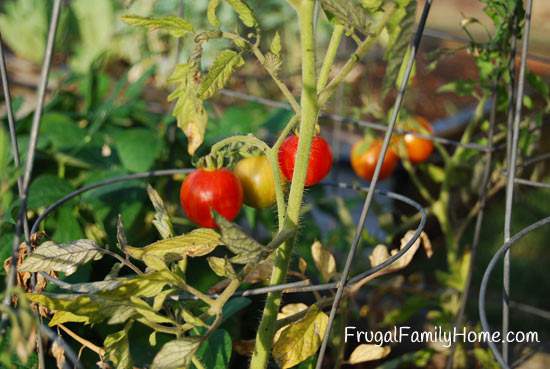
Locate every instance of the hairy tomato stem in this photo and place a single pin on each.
(309, 113)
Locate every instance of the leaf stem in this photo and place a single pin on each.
(361, 50)
(282, 86)
(84, 342)
(330, 56)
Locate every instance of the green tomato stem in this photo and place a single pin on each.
(330, 56)
(309, 105)
(361, 50)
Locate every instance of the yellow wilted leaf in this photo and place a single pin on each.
(286, 311)
(324, 260)
(301, 339)
(198, 242)
(364, 353)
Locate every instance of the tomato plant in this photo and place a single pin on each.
(419, 149)
(206, 190)
(320, 159)
(365, 154)
(161, 289)
(257, 180)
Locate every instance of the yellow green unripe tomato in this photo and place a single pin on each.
(257, 180)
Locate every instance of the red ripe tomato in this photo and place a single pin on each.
(207, 190)
(320, 159)
(364, 157)
(419, 149)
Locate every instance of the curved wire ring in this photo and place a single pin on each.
(293, 287)
(483, 289)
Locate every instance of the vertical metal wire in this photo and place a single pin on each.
(415, 44)
(23, 182)
(511, 180)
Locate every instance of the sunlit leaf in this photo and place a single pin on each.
(61, 258)
(176, 26)
(117, 349)
(243, 11)
(219, 74)
(301, 339)
(349, 13)
(276, 47)
(245, 247)
(176, 354)
(368, 352)
(222, 267)
(198, 242)
(189, 108)
(211, 13)
(287, 311)
(324, 260)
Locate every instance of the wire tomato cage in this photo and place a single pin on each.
(514, 117)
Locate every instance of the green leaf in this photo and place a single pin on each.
(198, 242)
(301, 339)
(46, 189)
(190, 318)
(27, 42)
(372, 5)
(211, 13)
(68, 228)
(485, 358)
(87, 309)
(138, 149)
(189, 108)
(244, 12)
(461, 87)
(276, 47)
(235, 239)
(148, 313)
(116, 303)
(162, 220)
(61, 258)
(400, 28)
(222, 267)
(159, 299)
(215, 352)
(96, 28)
(176, 354)
(117, 348)
(176, 26)
(219, 74)
(61, 131)
(436, 173)
(348, 13)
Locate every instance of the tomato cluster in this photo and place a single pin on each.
(365, 153)
(252, 181)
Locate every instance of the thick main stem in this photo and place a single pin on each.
(266, 330)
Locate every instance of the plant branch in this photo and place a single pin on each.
(309, 114)
(282, 86)
(330, 56)
(361, 50)
(84, 342)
